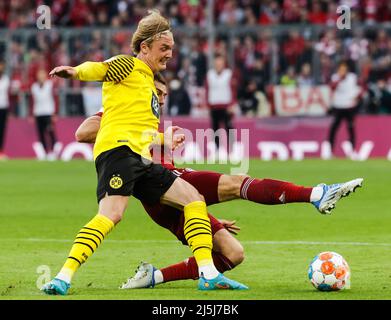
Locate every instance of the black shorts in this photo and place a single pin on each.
(123, 172)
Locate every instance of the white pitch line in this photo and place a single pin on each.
(249, 242)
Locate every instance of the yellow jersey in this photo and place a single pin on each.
(130, 103)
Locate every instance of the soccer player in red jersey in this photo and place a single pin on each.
(215, 187)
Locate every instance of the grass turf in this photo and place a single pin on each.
(44, 204)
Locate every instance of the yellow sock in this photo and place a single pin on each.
(86, 242)
(198, 232)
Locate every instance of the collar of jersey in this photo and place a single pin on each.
(145, 67)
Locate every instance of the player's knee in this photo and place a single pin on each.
(200, 197)
(114, 210)
(194, 195)
(237, 255)
(191, 194)
(116, 216)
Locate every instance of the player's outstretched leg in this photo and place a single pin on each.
(332, 193)
(145, 278)
(221, 282)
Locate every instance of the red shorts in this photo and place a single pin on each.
(206, 182)
(174, 219)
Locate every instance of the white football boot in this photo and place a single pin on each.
(144, 277)
(332, 193)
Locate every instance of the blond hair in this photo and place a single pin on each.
(150, 28)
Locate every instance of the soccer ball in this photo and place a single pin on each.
(329, 271)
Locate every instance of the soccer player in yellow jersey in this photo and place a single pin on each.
(122, 159)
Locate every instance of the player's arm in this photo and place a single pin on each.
(114, 69)
(88, 130)
(87, 71)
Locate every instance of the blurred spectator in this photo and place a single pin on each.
(248, 100)
(270, 12)
(173, 12)
(81, 14)
(291, 11)
(178, 101)
(263, 46)
(327, 44)
(22, 13)
(44, 110)
(258, 74)
(292, 49)
(92, 99)
(263, 53)
(357, 47)
(231, 13)
(198, 60)
(317, 14)
(305, 76)
(332, 15)
(346, 95)
(220, 93)
(289, 78)
(4, 105)
(379, 97)
(249, 17)
(380, 53)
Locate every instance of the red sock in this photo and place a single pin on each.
(268, 191)
(188, 269)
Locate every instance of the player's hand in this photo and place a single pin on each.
(172, 140)
(178, 140)
(63, 72)
(230, 226)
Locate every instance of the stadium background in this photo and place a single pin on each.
(288, 48)
(43, 204)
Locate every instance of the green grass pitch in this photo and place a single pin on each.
(44, 204)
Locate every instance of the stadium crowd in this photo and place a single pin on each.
(291, 42)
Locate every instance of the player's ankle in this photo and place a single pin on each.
(208, 271)
(316, 194)
(158, 276)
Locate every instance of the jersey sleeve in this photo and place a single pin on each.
(115, 69)
(91, 71)
(119, 68)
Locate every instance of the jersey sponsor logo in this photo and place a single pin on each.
(155, 105)
(116, 182)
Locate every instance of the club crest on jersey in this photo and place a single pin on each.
(155, 105)
(116, 182)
